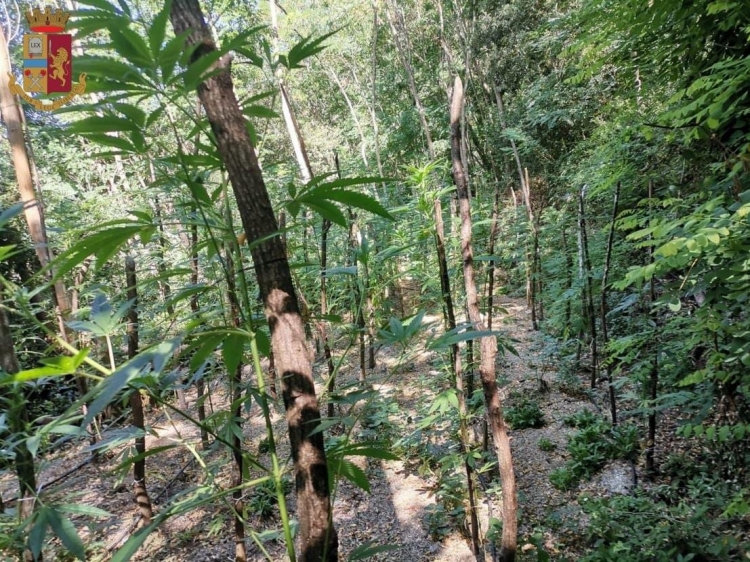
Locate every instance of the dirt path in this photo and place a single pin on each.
(402, 491)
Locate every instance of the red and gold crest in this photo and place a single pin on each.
(48, 60)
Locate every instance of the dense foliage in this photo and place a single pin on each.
(607, 147)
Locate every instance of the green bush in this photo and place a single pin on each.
(594, 444)
(525, 415)
(642, 527)
(546, 445)
(262, 500)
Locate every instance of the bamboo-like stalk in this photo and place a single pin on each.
(140, 491)
(235, 382)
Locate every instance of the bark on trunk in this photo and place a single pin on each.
(603, 307)
(136, 402)
(317, 536)
(488, 344)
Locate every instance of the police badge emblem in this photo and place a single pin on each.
(48, 60)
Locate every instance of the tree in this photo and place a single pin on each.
(488, 343)
(318, 539)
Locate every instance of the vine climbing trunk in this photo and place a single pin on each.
(136, 399)
(317, 536)
(488, 344)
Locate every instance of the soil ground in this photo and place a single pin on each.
(401, 491)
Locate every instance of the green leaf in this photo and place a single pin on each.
(372, 449)
(170, 54)
(306, 48)
(260, 111)
(351, 472)
(110, 387)
(458, 335)
(206, 344)
(351, 270)
(101, 124)
(131, 47)
(110, 69)
(38, 531)
(326, 210)
(131, 546)
(445, 400)
(724, 432)
(103, 245)
(351, 198)
(66, 532)
(81, 509)
(54, 367)
(158, 29)
(201, 69)
(10, 213)
(370, 549)
(101, 5)
(252, 56)
(123, 144)
(233, 349)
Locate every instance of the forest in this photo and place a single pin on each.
(418, 280)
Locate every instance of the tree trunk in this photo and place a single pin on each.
(653, 382)
(589, 299)
(488, 344)
(317, 536)
(357, 300)
(161, 264)
(240, 552)
(195, 312)
(136, 402)
(324, 310)
(373, 107)
(568, 278)
(603, 307)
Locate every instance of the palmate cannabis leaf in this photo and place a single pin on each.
(324, 197)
